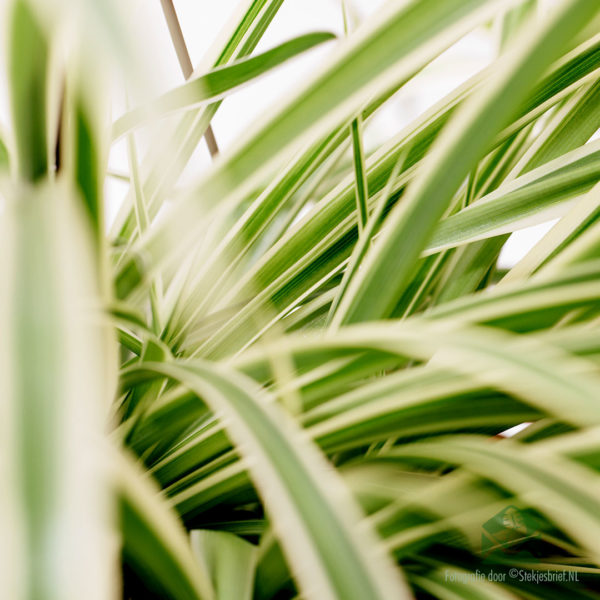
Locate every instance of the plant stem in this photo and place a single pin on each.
(183, 56)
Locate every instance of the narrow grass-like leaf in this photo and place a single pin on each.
(89, 166)
(534, 195)
(153, 541)
(325, 236)
(570, 127)
(364, 241)
(54, 366)
(562, 488)
(4, 156)
(362, 191)
(523, 307)
(585, 212)
(315, 522)
(408, 229)
(585, 248)
(519, 366)
(238, 39)
(358, 153)
(397, 42)
(217, 83)
(28, 72)
(230, 560)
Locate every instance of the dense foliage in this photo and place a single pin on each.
(289, 377)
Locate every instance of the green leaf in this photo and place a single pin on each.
(56, 383)
(217, 83)
(313, 515)
(238, 39)
(571, 126)
(318, 247)
(154, 542)
(541, 302)
(513, 19)
(564, 490)
(412, 222)
(4, 156)
(532, 370)
(360, 178)
(89, 168)
(530, 199)
(230, 560)
(578, 219)
(397, 42)
(415, 402)
(362, 192)
(364, 241)
(28, 73)
(81, 147)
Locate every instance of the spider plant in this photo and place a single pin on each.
(290, 376)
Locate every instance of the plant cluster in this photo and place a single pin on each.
(290, 377)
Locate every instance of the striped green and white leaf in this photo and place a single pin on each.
(315, 520)
(57, 370)
(215, 84)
